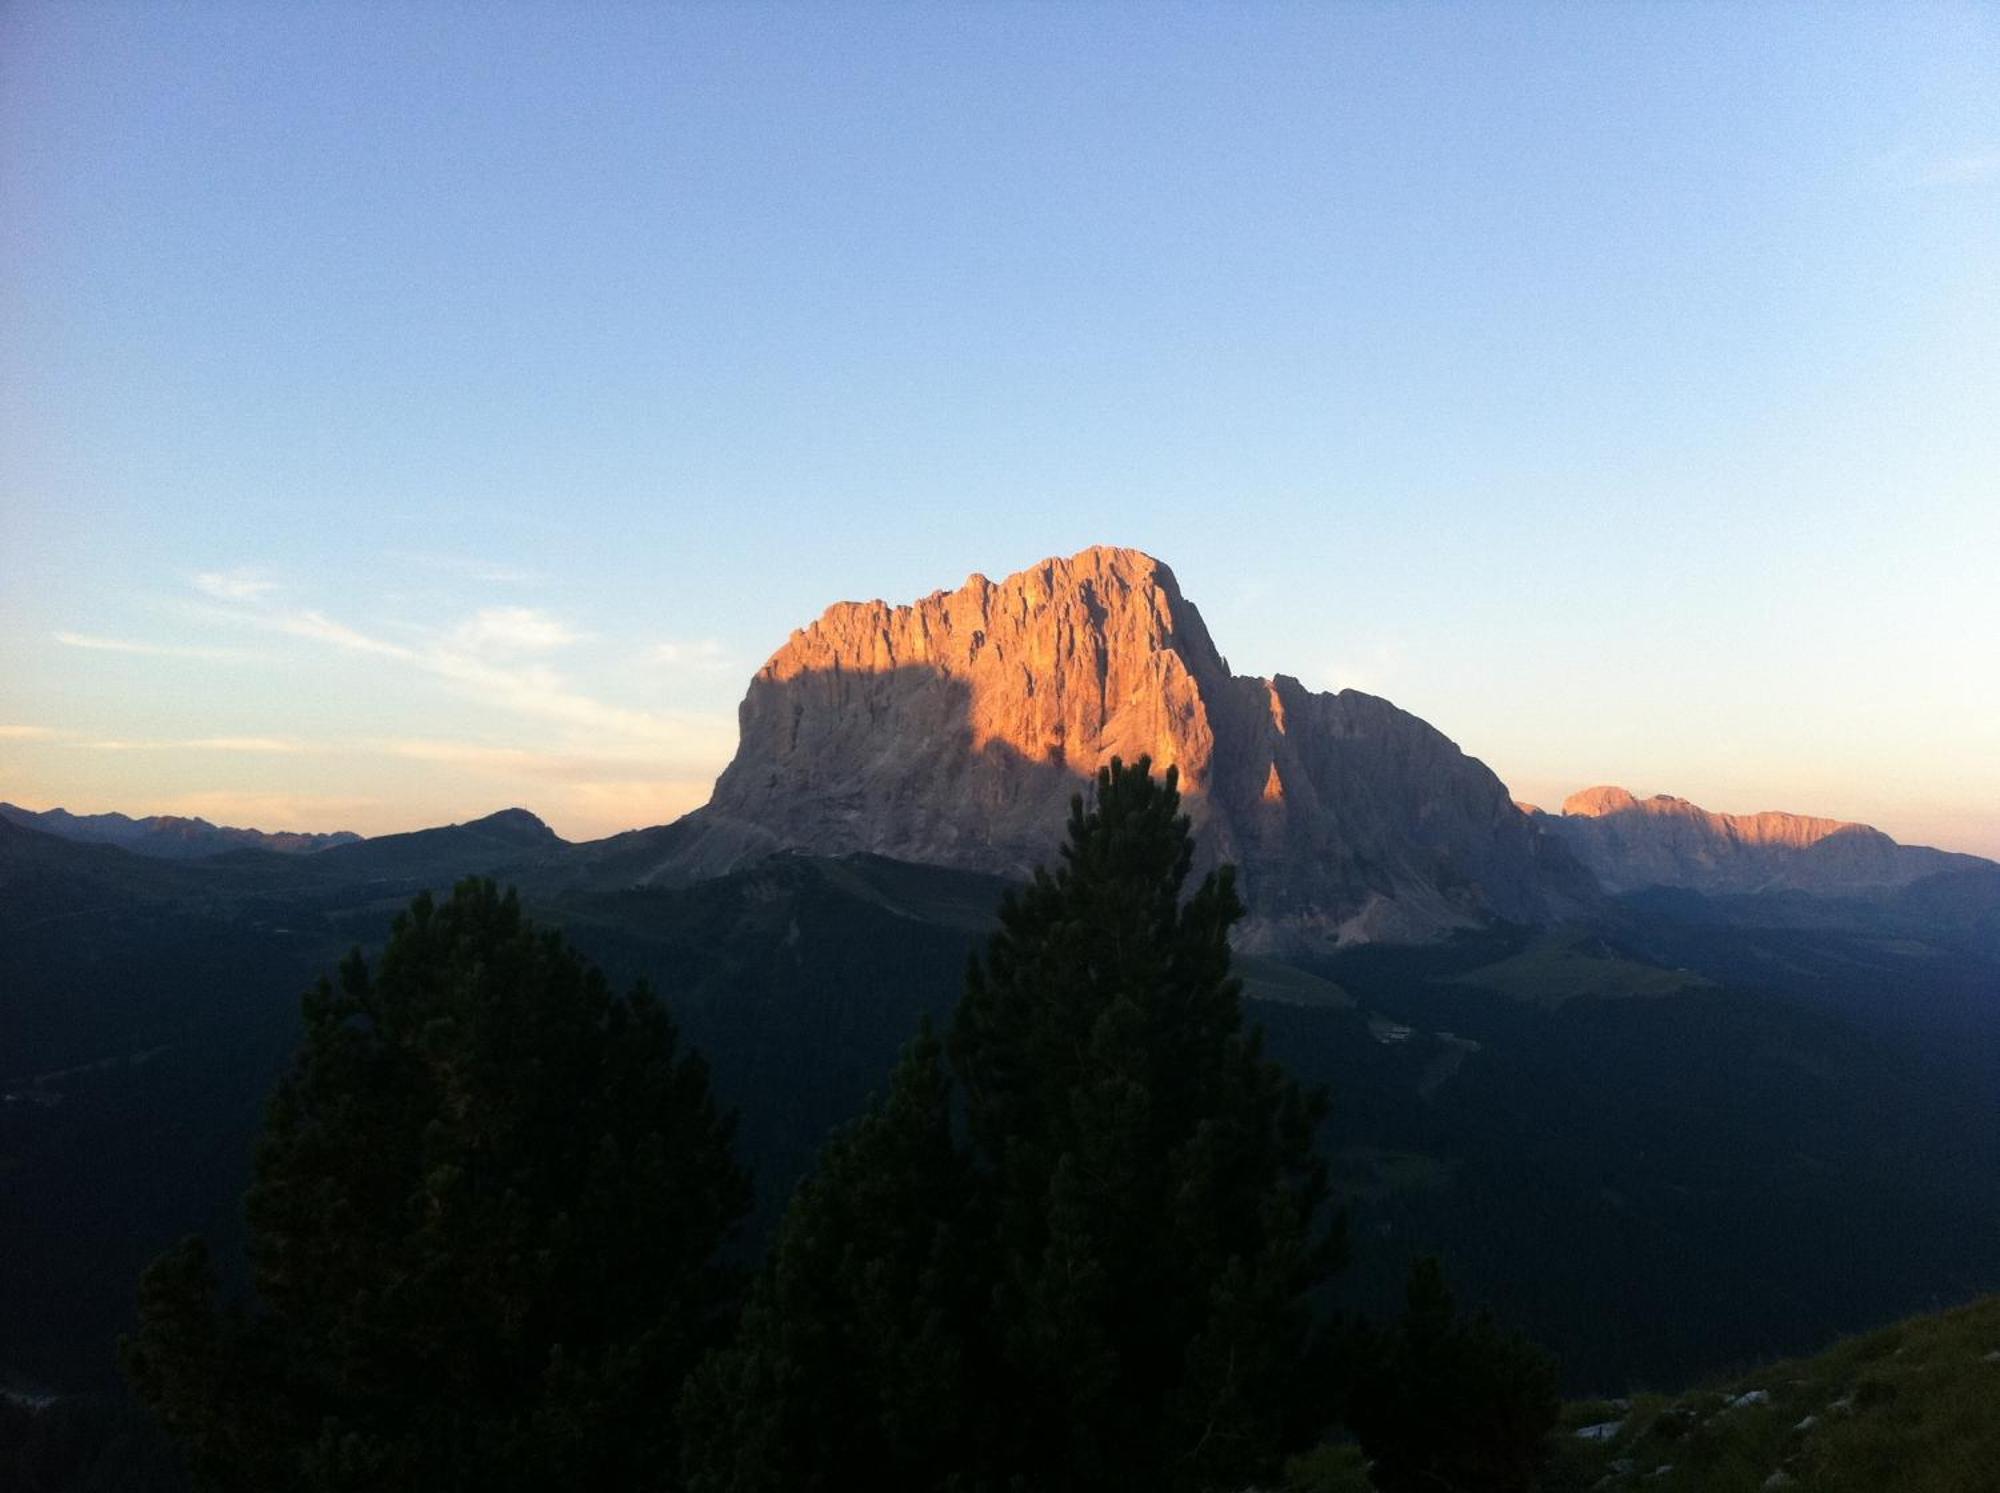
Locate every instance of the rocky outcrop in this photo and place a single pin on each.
(955, 730)
(1632, 843)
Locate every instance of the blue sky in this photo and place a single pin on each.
(411, 410)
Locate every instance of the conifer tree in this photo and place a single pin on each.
(857, 1342)
(1150, 1178)
(484, 1226)
(1101, 1279)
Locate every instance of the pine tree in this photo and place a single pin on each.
(1152, 1183)
(1103, 1281)
(484, 1226)
(853, 1353)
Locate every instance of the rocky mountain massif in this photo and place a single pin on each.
(1632, 843)
(953, 732)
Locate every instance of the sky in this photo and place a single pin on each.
(408, 411)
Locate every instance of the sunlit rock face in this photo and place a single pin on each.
(955, 730)
(1631, 843)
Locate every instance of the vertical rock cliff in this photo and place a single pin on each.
(953, 731)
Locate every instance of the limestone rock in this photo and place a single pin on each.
(954, 731)
(1632, 843)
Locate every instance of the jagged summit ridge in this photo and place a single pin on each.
(953, 730)
(1066, 665)
(1768, 828)
(1631, 843)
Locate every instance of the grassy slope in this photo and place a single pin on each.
(1572, 964)
(1913, 1408)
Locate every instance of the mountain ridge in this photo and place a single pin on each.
(1630, 844)
(954, 730)
(171, 836)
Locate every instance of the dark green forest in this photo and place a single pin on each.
(1082, 1242)
(1643, 1142)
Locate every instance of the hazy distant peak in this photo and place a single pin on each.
(1770, 827)
(1594, 802)
(170, 836)
(1630, 843)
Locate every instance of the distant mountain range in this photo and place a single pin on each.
(1632, 843)
(169, 836)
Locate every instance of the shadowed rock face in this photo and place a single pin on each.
(1631, 843)
(954, 732)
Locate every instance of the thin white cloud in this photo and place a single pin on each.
(149, 650)
(495, 761)
(461, 754)
(605, 808)
(1958, 171)
(469, 566)
(1373, 668)
(595, 764)
(592, 792)
(255, 744)
(527, 689)
(704, 654)
(535, 690)
(271, 812)
(323, 629)
(514, 630)
(28, 733)
(240, 584)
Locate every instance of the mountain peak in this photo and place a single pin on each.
(1132, 567)
(516, 823)
(955, 729)
(1769, 827)
(1123, 593)
(1630, 842)
(1594, 803)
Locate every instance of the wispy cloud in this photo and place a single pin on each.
(256, 744)
(479, 659)
(1372, 667)
(596, 764)
(270, 812)
(240, 584)
(513, 630)
(703, 654)
(596, 792)
(469, 566)
(28, 733)
(538, 691)
(323, 629)
(149, 650)
(1963, 170)
(605, 808)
